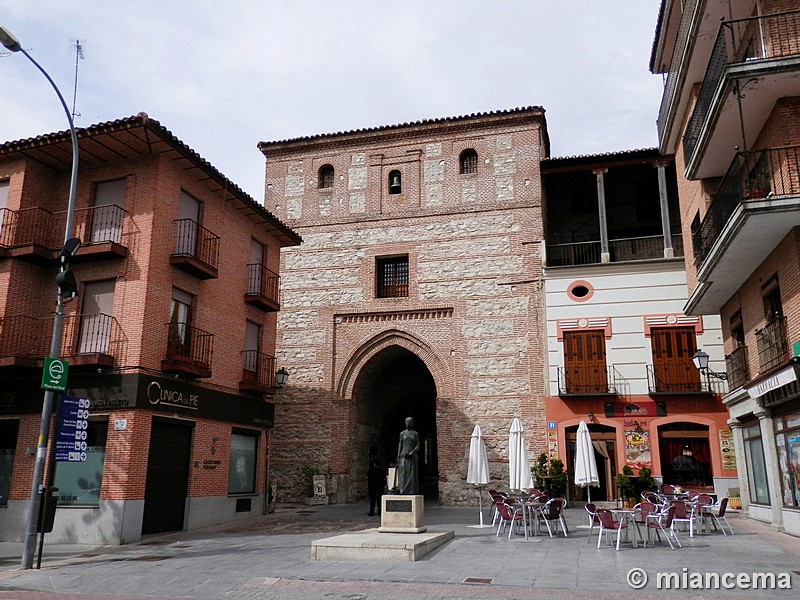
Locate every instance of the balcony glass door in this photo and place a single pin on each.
(109, 201)
(96, 319)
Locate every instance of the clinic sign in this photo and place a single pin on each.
(54, 376)
(72, 423)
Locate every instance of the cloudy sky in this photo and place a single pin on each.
(223, 75)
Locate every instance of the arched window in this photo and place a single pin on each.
(326, 177)
(468, 162)
(395, 182)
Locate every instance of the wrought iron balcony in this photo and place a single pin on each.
(671, 88)
(29, 234)
(258, 372)
(24, 341)
(93, 340)
(100, 229)
(681, 378)
(189, 351)
(741, 41)
(621, 250)
(772, 345)
(736, 367)
(587, 380)
(262, 287)
(196, 249)
(770, 173)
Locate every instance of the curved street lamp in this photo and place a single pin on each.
(11, 43)
(700, 360)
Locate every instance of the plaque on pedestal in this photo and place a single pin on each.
(402, 514)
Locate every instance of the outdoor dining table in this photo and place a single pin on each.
(532, 507)
(529, 508)
(628, 515)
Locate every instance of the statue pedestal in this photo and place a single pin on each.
(402, 514)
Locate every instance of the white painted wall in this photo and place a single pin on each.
(625, 292)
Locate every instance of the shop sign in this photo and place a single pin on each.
(773, 382)
(634, 410)
(552, 444)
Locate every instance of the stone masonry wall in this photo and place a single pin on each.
(473, 310)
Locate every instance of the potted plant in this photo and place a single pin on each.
(549, 476)
(625, 485)
(758, 184)
(645, 481)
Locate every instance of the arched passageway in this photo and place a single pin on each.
(392, 385)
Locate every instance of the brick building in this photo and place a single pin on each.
(417, 292)
(171, 337)
(731, 113)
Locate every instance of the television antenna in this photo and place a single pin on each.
(78, 57)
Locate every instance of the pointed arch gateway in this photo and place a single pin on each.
(391, 376)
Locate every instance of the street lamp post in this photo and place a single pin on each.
(11, 43)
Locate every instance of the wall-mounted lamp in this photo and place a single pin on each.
(591, 416)
(700, 360)
(282, 376)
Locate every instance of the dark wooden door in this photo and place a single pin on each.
(167, 477)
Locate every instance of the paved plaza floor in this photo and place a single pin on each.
(269, 558)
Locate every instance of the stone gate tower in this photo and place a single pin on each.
(416, 292)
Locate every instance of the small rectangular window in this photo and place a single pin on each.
(392, 276)
(242, 463)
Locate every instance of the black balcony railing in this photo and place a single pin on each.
(28, 227)
(668, 100)
(757, 174)
(197, 242)
(586, 380)
(97, 224)
(24, 336)
(262, 286)
(736, 367)
(673, 378)
(189, 345)
(258, 370)
(743, 40)
(773, 348)
(577, 253)
(91, 334)
(620, 250)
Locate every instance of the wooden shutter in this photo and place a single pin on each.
(585, 362)
(673, 349)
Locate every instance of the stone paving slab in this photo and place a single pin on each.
(270, 559)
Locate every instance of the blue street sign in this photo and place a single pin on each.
(551, 424)
(71, 425)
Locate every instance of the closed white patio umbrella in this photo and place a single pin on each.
(585, 462)
(519, 468)
(478, 467)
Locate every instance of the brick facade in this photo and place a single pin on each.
(123, 369)
(467, 339)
